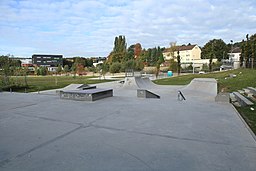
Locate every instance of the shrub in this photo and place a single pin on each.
(115, 67)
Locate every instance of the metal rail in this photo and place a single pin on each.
(181, 96)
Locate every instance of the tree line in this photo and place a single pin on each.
(248, 55)
(133, 57)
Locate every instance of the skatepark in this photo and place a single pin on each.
(41, 131)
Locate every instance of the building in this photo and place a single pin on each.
(26, 62)
(187, 53)
(50, 61)
(234, 57)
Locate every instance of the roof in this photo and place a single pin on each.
(181, 48)
(236, 50)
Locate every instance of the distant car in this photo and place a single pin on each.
(201, 72)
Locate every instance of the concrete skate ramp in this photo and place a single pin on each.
(130, 83)
(138, 82)
(201, 87)
(148, 82)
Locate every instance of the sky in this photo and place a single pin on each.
(88, 27)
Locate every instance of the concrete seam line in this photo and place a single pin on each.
(245, 123)
(6, 161)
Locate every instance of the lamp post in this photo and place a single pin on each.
(231, 60)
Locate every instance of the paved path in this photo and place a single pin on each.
(43, 132)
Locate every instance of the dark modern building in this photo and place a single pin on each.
(47, 60)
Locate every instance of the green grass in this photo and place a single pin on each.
(249, 116)
(244, 78)
(39, 83)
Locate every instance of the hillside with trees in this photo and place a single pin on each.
(133, 57)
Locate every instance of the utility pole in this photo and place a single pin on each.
(231, 61)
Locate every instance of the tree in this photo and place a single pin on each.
(130, 53)
(242, 54)
(178, 62)
(89, 62)
(248, 51)
(115, 67)
(73, 69)
(173, 48)
(138, 65)
(119, 51)
(59, 69)
(66, 69)
(67, 62)
(253, 47)
(7, 68)
(212, 55)
(148, 56)
(161, 58)
(137, 50)
(80, 69)
(43, 70)
(153, 58)
(36, 70)
(173, 65)
(104, 69)
(216, 46)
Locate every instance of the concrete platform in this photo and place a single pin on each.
(44, 133)
(87, 94)
(142, 93)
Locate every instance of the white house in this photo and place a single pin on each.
(187, 53)
(234, 57)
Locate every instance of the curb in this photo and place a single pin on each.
(244, 122)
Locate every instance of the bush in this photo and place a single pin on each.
(173, 66)
(138, 65)
(205, 68)
(15, 87)
(127, 65)
(115, 67)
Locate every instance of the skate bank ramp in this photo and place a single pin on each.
(201, 87)
(138, 82)
(75, 87)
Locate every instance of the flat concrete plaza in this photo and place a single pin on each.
(41, 132)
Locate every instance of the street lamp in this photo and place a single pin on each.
(231, 61)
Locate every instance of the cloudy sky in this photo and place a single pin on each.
(88, 27)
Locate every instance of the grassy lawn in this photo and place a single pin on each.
(39, 83)
(244, 78)
(249, 116)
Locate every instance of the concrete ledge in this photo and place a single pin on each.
(86, 95)
(142, 93)
(75, 87)
(242, 100)
(253, 90)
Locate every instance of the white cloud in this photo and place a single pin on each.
(88, 28)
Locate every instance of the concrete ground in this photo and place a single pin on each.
(44, 132)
